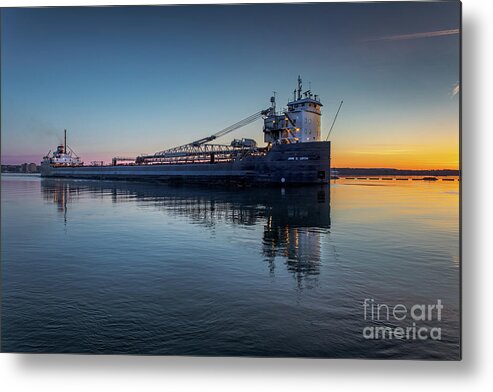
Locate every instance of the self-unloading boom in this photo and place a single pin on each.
(231, 128)
(200, 145)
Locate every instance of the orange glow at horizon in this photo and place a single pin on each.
(421, 159)
(413, 146)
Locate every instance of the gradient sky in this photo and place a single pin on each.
(131, 80)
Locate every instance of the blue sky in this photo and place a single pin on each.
(131, 80)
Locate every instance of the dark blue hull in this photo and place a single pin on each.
(301, 163)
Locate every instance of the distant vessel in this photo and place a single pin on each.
(294, 153)
(62, 156)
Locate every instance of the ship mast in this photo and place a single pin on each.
(65, 141)
(299, 87)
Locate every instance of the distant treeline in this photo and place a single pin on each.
(347, 171)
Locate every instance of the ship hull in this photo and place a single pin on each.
(301, 163)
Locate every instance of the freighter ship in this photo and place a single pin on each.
(294, 153)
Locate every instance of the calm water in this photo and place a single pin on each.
(103, 267)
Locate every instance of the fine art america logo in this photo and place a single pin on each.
(416, 322)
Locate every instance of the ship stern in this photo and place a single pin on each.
(296, 164)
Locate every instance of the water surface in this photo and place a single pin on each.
(114, 267)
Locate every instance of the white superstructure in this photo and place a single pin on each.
(300, 123)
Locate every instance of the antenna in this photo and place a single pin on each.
(333, 122)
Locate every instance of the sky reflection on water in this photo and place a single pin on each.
(108, 267)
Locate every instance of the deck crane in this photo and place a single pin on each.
(201, 146)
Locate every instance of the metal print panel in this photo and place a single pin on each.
(272, 180)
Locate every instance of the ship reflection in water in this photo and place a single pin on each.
(293, 219)
(293, 231)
